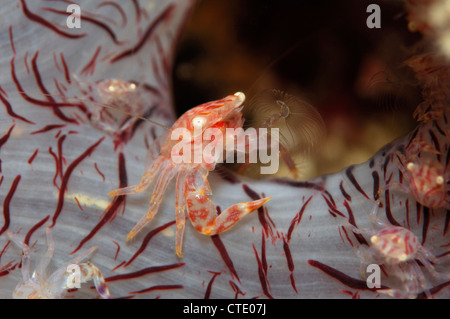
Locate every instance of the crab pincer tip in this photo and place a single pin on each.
(240, 97)
(258, 203)
(130, 236)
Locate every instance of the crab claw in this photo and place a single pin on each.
(203, 215)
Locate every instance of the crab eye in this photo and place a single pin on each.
(375, 239)
(403, 257)
(410, 166)
(198, 121)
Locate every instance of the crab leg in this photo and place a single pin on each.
(168, 172)
(180, 216)
(146, 180)
(202, 211)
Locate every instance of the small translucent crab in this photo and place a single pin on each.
(120, 104)
(115, 106)
(426, 176)
(115, 94)
(427, 183)
(399, 250)
(192, 187)
(40, 285)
